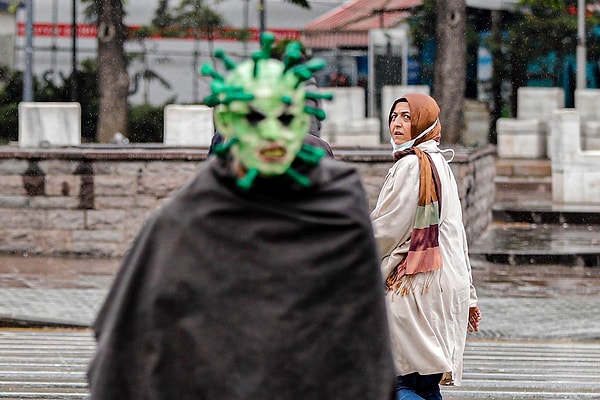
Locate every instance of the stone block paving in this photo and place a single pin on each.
(50, 306)
(518, 302)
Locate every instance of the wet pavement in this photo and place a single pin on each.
(549, 302)
(518, 302)
(53, 291)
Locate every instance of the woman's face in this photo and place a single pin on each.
(400, 125)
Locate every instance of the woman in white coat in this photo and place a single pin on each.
(430, 297)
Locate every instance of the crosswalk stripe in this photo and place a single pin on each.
(52, 364)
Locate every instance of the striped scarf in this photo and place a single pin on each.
(424, 252)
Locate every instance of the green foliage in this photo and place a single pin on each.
(13, 88)
(422, 24)
(13, 6)
(145, 121)
(10, 96)
(545, 29)
(188, 17)
(146, 124)
(44, 90)
(301, 3)
(546, 8)
(9, 122)
(89, 98)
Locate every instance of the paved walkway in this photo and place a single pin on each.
(518, 302)
(51, 364)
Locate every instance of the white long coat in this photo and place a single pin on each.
(428, 327)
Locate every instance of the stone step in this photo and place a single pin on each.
(531, 186)
(523, 167)
(521, 182)
(522, 243)
(505, 213)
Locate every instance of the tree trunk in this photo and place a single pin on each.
(450, 67)
(113, 80)
(498, 75)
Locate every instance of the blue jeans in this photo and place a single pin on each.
(418, 387)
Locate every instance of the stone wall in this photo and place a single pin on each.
(89, 201)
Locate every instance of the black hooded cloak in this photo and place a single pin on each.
(269, 293)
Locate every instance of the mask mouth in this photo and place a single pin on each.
(273, 153)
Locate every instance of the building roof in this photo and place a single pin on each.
(349, 24)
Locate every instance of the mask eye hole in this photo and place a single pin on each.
(254, 117)
(286, 119)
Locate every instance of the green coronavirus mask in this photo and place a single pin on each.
(260, 109)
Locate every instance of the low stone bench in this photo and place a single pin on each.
(188, 125)
(587, 103)
(352, 133)
(46, 124)
(590, 135)
(520, 138)
(575, 172)
(533, 103)
(346, 123)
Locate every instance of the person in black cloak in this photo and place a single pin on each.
(259, 279)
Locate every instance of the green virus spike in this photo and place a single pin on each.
(317, 112)
(222, 149)
(316, 64)
(230, 98)
(246, 182)
(217, 86)
(212, 100)
(266, 43)
(292, 56)
(266, 46)
(233, 93)
(311, 154)
(228, 62)
(256, 57)
(286, 100)
(298, 177)
(302, 73)
(208, 70)
(318, 96)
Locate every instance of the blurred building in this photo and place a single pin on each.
(176, 61)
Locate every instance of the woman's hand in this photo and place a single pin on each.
(474, 318)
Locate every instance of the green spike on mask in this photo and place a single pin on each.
(311, 154)
(212, 100)
(260, 108)
(317, 112)
(228, 62)
(222, 149)
(266, 47)
(208, 70)
(248, 180)
(315, 64)
(298, 177)
(318, 96)
(292, 56)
